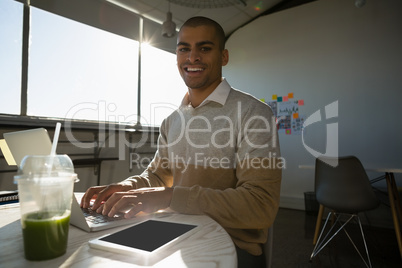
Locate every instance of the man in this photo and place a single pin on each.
(218, 154)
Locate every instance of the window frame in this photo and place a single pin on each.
(114, 19)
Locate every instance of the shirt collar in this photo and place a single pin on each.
(219, 95)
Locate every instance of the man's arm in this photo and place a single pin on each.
(156, 175)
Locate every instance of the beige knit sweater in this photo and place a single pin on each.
(223, 160)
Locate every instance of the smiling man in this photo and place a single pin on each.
(200, 57)
(218, 154)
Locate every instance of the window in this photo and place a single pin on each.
(80, 72)
(10, 55)
(162, 88)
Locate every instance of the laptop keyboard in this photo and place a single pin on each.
(97, 218)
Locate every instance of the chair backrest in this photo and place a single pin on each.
(344, 188)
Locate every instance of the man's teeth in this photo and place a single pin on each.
(194, 69)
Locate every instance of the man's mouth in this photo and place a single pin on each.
(193, 69)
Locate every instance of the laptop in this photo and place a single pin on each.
(37, 142)
(28, 142)
(91, 221)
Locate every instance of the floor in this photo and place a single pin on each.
(293, 236)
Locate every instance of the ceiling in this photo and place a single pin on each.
(230, 17)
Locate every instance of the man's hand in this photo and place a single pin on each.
(145, 199)
(102, 193)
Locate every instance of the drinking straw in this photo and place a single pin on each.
(50, 167)
(55, 138)
(54, 146)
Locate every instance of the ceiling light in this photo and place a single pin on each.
(169, 27)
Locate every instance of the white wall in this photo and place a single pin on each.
(327, 51)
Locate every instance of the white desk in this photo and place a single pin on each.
(210, 247)
(393, 200)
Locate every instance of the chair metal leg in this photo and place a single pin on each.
(321, 243)
(364, 241)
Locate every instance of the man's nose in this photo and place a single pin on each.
(194, 56)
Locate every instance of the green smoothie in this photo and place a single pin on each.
(45, 234)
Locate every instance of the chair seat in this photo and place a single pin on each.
(353, 207)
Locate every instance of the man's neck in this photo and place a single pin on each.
(197, 96)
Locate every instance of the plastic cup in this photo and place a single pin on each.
(45, 188)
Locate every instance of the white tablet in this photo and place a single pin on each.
(145, 238)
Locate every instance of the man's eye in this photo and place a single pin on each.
(183, 49)
(205, 49)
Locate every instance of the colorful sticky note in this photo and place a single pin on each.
(274, 97)
(301, 102)
(263, 100)
(288, 131)
(290, 95)
(285, 98)
(295, 115)
(279, 99)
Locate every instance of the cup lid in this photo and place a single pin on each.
(37, 166)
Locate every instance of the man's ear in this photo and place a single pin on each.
(225, 57)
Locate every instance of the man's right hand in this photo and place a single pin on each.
(102, 193)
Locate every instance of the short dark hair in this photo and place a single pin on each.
(204, 21)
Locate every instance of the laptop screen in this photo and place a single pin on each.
(28, 142)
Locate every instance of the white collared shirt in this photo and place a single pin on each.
(219, 95)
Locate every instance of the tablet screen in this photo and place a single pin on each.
(149, 235)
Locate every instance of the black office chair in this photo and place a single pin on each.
(346, 190)
(267, 247)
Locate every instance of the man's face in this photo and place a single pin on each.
(200, 58)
